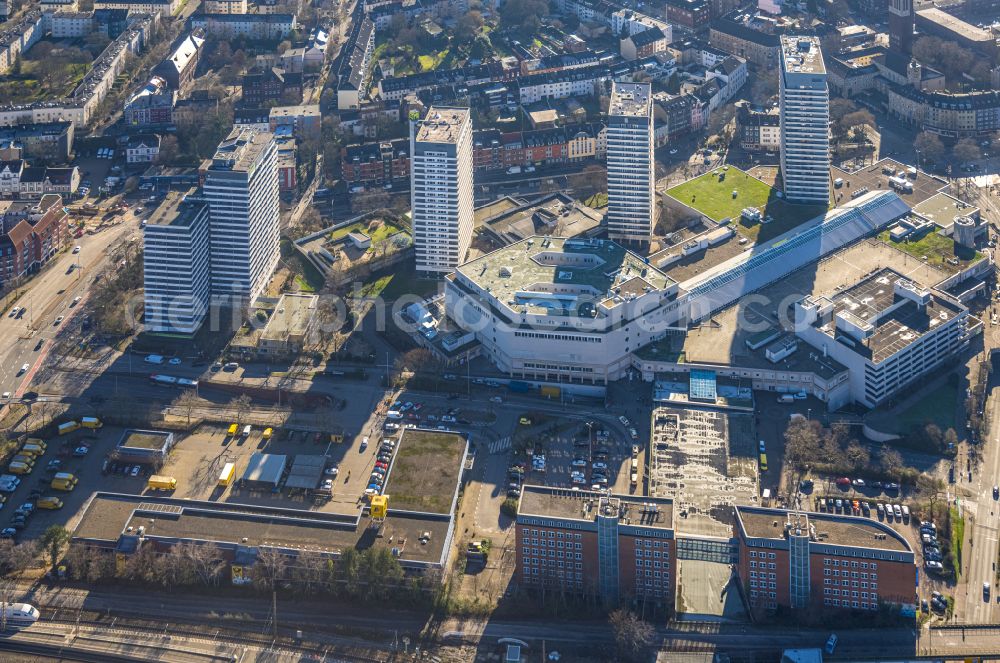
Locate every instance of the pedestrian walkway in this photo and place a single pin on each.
(501, 445)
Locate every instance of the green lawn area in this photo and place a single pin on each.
(714, 198)
(403, 281)
(432, 61)
(35, 88)
(937, 405)
(957, 537)
(939, 251)
(386, 229)
(309, 279)
(597, 201)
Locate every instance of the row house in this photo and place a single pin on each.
(376, 164)
(643, 44)
(287, 154)
(18, 37)
(38, 181)
(28, 240)
(758, 130)
(561, 84)
(755, 46)
(152, 105)
(51, 143)
(395, 88)
(10, 177)
(264, 27)
(270, 84)
(354, 68)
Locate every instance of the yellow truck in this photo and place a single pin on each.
(226, 477)
(268, 432)
(91, 422)
(27, 459)
(49, 503)
(158, 482)
(32, 450)
(19, 468)
(38, 442)
(68, 427)
(64, 481)
(232, 430)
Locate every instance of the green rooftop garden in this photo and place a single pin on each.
(935, 249)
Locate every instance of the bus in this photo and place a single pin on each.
(763, 462)
(226, 477)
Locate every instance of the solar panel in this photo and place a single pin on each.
(702, 386)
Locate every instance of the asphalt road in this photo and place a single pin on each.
(48, 296)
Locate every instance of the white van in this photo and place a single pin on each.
(394, 414)
(246, 431)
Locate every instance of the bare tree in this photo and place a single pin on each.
(241, 406)
(269, 568)
(632, 635)
(891, 460)
(309, 571)
(186, 403)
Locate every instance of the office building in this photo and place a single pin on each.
(796, 561)
(805, 120)
(901, 26)
(564, 310)
(176, 264)
(886, 329)
(441, 189)
(631, 173)
(241, 187)
(617, 547)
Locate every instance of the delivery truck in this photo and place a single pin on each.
(64, 481)
(159, 482)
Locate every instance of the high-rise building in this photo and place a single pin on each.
(616, 547)
(631, 174)
(241, 187)
(901, 26)
(805, 119)
(175, 266)
(441, 189)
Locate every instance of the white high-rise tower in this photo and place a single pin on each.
(805, 122)
(441, 189)
(631, 174)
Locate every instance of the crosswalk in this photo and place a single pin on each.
(498, 446)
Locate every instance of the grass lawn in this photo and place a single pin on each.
(308, 279)
(937, 405)
(597, 201)
(403, 281)
(432, 61)
(425, 471)
(938, 250)
(384, 230)
(714, 198)
(957, 537)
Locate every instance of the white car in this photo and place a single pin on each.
(58, 321)
(600, 466)
(135, 470)
(76, 249)
(76, 300)
(14, 311)
(624, 420)
(24, 369)
(6, 396)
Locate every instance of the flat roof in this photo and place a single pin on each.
(522, 274)
(173, 211)
(942, 209)
(857, 532)
(144, 439)
(898, 321)
(802, 55)
(425, 470)
(291, 317)
(955, 24)
(240, 149)
(630, 100)
(442, 124)
(109, 515)
(556, 214)
(584, 505)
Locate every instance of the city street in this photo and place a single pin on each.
(48, 296)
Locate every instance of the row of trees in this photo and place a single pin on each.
(932, 149)
(372, 574)
(957, 63)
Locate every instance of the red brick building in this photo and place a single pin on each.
(29, 236)
(795, 560)
(692, 14)
(618, 547)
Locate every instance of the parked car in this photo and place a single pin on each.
(624, 420)
(843, 481)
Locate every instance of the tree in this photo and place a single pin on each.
(592, 179)
(269, 568)
(857, 455)
(966, 150)
(241, 406)
(186, 403)
(802, 441)
(467, 26)
(524, 17)
(52, 541)
(169, 150)
(633, 636)
(929, 147)
(764, 87)
(891, 461)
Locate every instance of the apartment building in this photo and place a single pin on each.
(164, 8)
(886, 329)
(541, 308)
(441, 189)
(265, 85)
(152, 105)
(176, 268)
(616, 547)
(797, 560)
(692, 14)
(241, 186)
(226, 6)
(631, 173)
(30, 234)
(48, 143)
(734, 36)
(265, 27)
(355, 58)
(643, 44)
(71, 24)
(759, 131)
(142, 148)
(805, 120)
